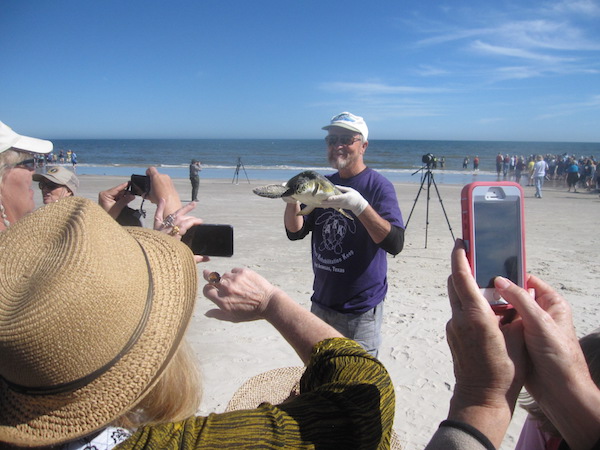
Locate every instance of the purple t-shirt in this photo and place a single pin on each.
(350, 269)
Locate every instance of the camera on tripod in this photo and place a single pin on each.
(428, 159)
(427, 179)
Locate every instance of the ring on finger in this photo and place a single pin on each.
(174, 231)
(169, 220)
(214, 277)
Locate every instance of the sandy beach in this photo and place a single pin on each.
(561, 249)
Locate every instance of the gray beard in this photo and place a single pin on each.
(338, 163)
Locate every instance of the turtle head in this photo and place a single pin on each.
(304, 186)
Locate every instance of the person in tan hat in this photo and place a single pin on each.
(16, 168)
(56, 183)
(92, 319)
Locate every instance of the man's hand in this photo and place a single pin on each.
(350, 199)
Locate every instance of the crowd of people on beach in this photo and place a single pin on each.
(68, 157)
(570, 171)
(95, 355)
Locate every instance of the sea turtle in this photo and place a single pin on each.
(308, 187)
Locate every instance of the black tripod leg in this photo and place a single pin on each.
(245, 173)
(429, 179)
(443, 209)
(415, 202)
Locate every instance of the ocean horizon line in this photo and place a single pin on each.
(502, 141)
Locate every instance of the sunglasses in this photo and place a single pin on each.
(26, 164)
(333, 139)
(48, 185)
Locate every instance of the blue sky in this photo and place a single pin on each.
(424, 69)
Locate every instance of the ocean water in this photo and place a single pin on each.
(279, 159)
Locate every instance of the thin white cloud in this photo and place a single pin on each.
(556, 38)
(545, 34)
(583, 7)
(515, 73)
(430, 71)
(369, 88)
(569, 109)
(456, 35)
(490, 120)
(485, 48)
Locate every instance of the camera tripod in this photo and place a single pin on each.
(236, 175)
(427, 176)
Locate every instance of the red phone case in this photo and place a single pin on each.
(466, 206)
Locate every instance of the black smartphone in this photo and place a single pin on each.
(139, 184)
(210, 240)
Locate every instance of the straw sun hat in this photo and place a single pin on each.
(277, 386)
(90, 315)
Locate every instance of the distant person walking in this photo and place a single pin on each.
(519, 168)
(499, 161)
(476, 163)
(572, 174)
(195, 168)
(539, 172)
(466, 162)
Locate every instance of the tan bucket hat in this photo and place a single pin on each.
(90, 315)
(59, 175)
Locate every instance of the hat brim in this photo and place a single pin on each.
(33, 145)
(36, 420)
(342, 125)
(274, 386)
(46, 176)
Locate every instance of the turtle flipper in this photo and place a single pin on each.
(272, 191)
(344, 213)
(306, 210)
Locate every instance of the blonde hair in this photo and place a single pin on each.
(176, 395)
(590, 345)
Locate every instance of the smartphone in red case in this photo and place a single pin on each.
(493, 226)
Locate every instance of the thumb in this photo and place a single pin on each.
(344, 188)
(216, 314)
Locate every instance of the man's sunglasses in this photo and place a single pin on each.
(333, 139)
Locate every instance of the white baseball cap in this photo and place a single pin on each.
(350, 122)
(10, 139)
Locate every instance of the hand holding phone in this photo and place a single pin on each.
(210, 240)
(494, 235)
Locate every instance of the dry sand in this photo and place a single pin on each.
(561, 248)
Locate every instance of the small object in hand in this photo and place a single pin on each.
(174, 231)
(214, 277)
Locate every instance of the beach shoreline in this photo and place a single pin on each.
(414, 349)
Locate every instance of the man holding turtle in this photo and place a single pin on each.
(349, 255)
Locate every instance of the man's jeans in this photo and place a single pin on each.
(539, 182)
(364, 328)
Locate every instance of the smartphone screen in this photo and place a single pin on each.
(210, 240)
(497, 246)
